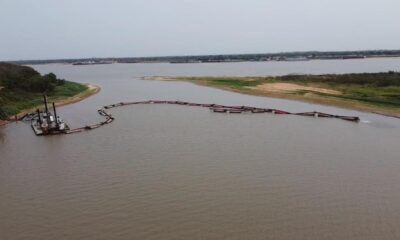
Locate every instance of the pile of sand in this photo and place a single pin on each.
(291, 87)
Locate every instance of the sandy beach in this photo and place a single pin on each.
(285, 91)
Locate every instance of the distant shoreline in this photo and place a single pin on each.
(226, 58)
(312, 93)
(61, 101)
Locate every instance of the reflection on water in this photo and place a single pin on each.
(172, 172)
(2, 136)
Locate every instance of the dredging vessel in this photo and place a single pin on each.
(48, 123)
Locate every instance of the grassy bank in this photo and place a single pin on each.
(23, 89)
(376, 92)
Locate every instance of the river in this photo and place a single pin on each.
(175, 172)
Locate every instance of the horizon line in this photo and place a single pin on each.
(203, 55)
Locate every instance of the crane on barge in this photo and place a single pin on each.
(47, 123)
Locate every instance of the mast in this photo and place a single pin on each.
(55, 114)
(45, 104)
(38, 113)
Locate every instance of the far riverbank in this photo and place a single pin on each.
(370, 92)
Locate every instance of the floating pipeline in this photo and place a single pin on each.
(213, 107)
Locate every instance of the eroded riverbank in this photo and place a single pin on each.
(59, 101)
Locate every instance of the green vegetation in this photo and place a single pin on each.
(385, 79)
(366, 91)
(22, 88)
(237, 83)
(379, 89)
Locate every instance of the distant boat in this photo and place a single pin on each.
(181, 62)
(91, 63)
(353, 57)
(296, 59)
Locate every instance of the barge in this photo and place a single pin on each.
(48, 123)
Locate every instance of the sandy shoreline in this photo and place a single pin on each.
(272, 91)
(92, 89)
(290, 87)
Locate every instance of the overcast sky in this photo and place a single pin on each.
(49, 29)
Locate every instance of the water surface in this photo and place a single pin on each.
(174, 172)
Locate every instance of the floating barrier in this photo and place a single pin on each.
(213, 107)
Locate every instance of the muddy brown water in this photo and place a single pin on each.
(175, 172)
